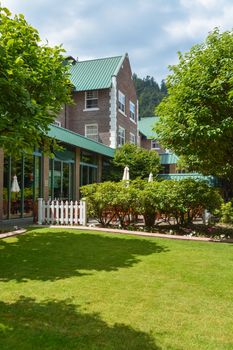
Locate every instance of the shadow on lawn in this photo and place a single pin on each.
(56, 255)
(27, 324)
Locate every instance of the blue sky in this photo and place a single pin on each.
(151, 31)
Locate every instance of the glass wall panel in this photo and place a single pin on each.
(66, 178)
(6, 188)
(37, 178)
(57, 179)
(60, 180)
(28, 186)
(16, 187)
(92, 175)
(88, 157)
(88, 174)
(84, 175)
(21, 185)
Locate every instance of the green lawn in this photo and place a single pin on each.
(77, 290)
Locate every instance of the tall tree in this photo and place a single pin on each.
(139, 160)
(34, 84)
(196, 118)
(149, 93)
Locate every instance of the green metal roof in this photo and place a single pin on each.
(95, 74)
(168, 158)
(146, 125)
(210, 179)
(74, 139)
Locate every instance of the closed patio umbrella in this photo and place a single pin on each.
(126, 174)
(15, 186)
(150, 179)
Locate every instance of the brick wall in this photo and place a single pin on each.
(145, 143)
(172, 168)
(63, 117)
(126, 85)
(78, 117)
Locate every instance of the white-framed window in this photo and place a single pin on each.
(121, 101)
(91, 99)
(91, 131)
(155, 145)
(132, 138)
(57, 123)
(121, 136)
(132, 110)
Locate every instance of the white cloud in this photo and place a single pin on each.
(206, 4)
(151, 31)
(198, 23)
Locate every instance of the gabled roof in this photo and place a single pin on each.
(75, 139)
(95, 74)
(146, 125)
(168, 158)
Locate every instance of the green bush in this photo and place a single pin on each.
(226, 213)
(184, 200)
(149, 202)
(99, 199)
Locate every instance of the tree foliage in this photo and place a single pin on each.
(149, 93)
(139, 160)
(34, 84)
(196, 118)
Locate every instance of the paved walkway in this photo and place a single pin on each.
(13, 223)
(137, 233)
(118, 231)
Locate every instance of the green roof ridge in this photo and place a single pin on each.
(98, 58)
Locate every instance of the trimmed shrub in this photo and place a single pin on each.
(183, 200)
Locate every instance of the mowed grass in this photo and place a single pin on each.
(66, 289)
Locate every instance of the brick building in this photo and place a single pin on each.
(104, 116)
(105, 105)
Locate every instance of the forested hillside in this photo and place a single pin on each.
(150, 94)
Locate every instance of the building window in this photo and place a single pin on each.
(121, 136)
(91, 99)
(91, 131)
(132, 138)
(155, 145)
(121, 101)
(132, 110)
(88, 168)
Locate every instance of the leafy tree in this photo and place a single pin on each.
(34, 84)
(139, 160)
(149, 93)
(196, 118)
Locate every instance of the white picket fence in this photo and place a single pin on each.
(62, 213)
